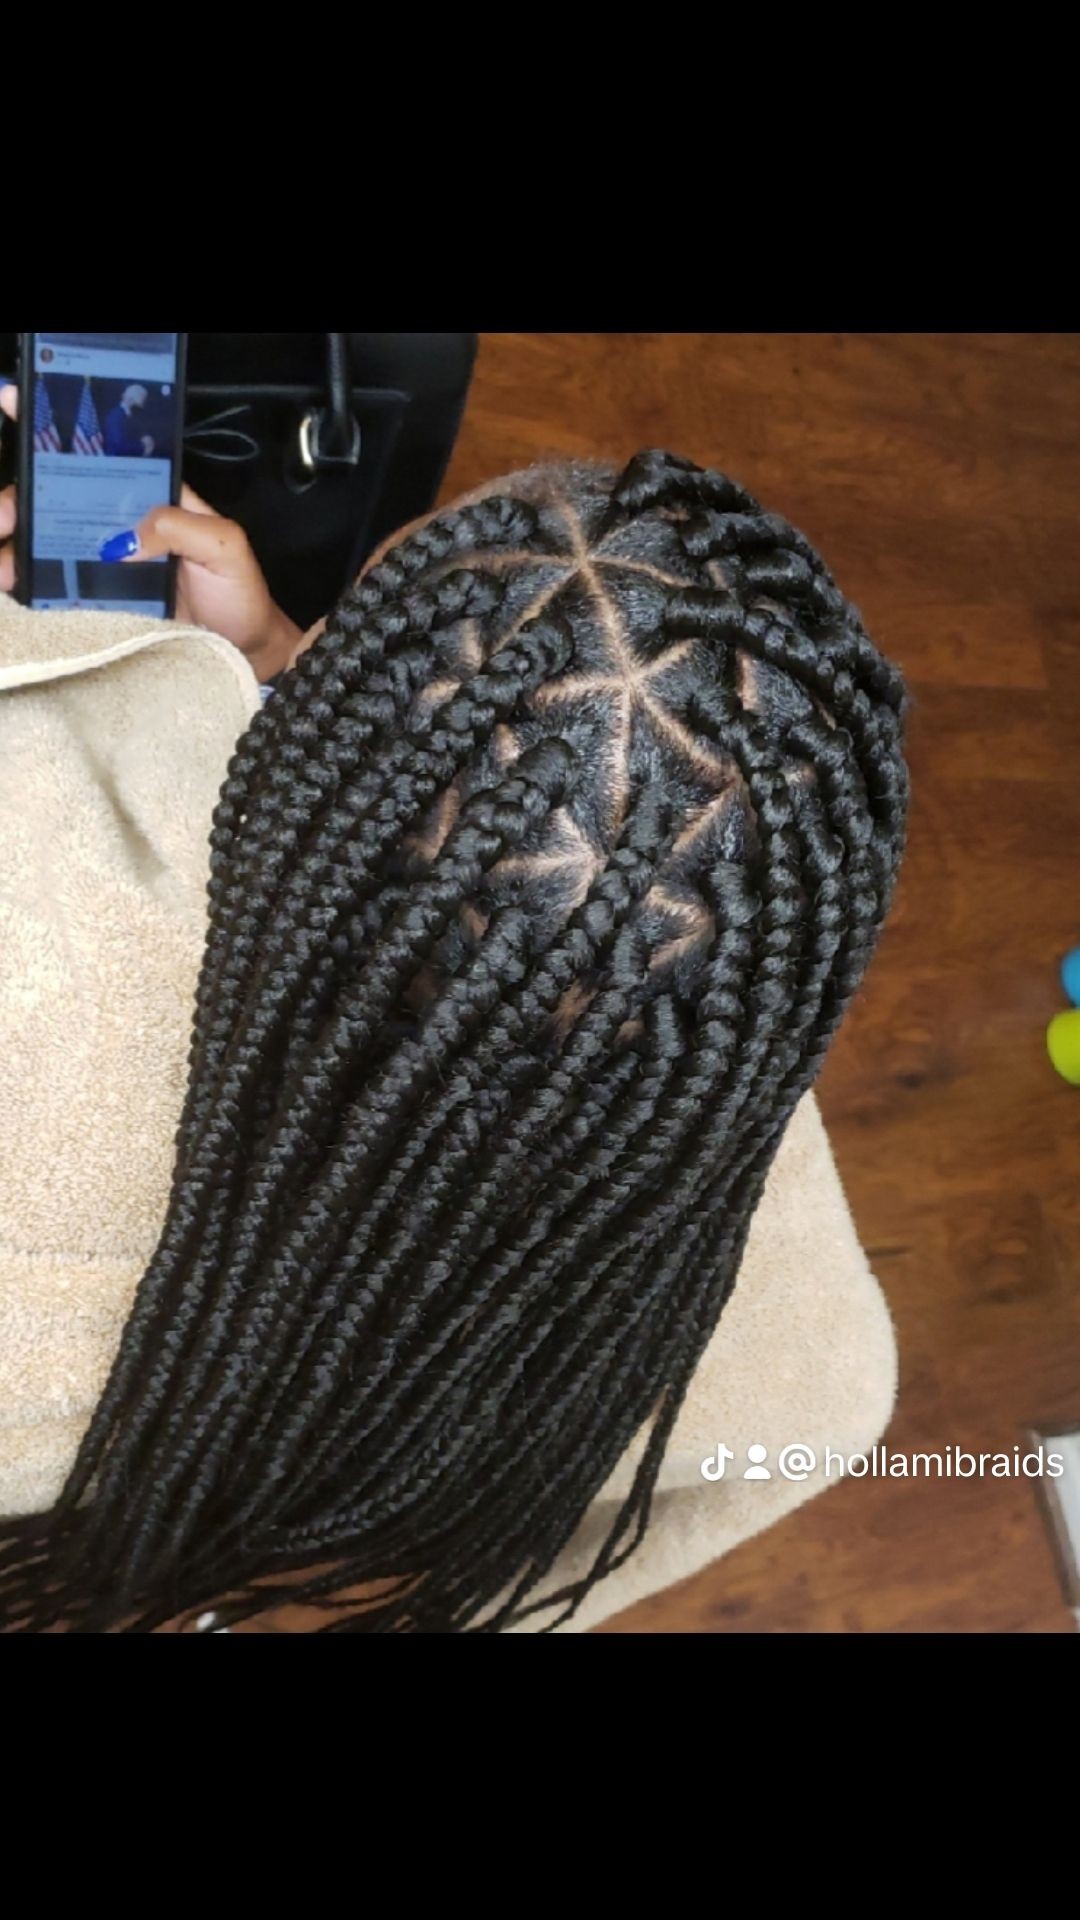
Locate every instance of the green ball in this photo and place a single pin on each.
(1063, 1044)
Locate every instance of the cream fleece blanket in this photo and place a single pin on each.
(114, 738)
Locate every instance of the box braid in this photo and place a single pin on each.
(536, 896)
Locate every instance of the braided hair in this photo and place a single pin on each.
(536, 896)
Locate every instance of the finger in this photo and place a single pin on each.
(206, 539)
(7, 569)
(7, 513)
(9, 399)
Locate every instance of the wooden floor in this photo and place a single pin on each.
(941, 477)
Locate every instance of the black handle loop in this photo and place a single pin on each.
(330, 436)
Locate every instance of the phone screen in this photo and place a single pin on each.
(105, 413)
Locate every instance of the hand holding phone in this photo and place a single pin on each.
(220, 584)
(101, 427)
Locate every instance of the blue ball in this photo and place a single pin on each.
(1070, 975)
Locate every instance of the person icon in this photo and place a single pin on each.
(124, 437)
(757, 1453)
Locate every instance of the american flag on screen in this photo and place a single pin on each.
(46, 432)
(88, 437)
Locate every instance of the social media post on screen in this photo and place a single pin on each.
(108, 356)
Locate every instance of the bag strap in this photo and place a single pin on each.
(330, 435)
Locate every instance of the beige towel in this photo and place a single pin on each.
(114, 738)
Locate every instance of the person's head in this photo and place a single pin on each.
(537, 894)
(133, 399)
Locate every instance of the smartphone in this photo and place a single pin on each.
(101, 427)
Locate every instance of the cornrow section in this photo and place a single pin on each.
(537, 895)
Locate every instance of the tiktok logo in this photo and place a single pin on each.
(712, 1467)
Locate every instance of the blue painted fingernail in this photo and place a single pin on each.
(6, 381)
(120, 547)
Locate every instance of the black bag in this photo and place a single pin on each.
(319, 444)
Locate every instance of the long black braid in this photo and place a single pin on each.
(537, 894)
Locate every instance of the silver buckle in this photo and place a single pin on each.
(311, 455)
